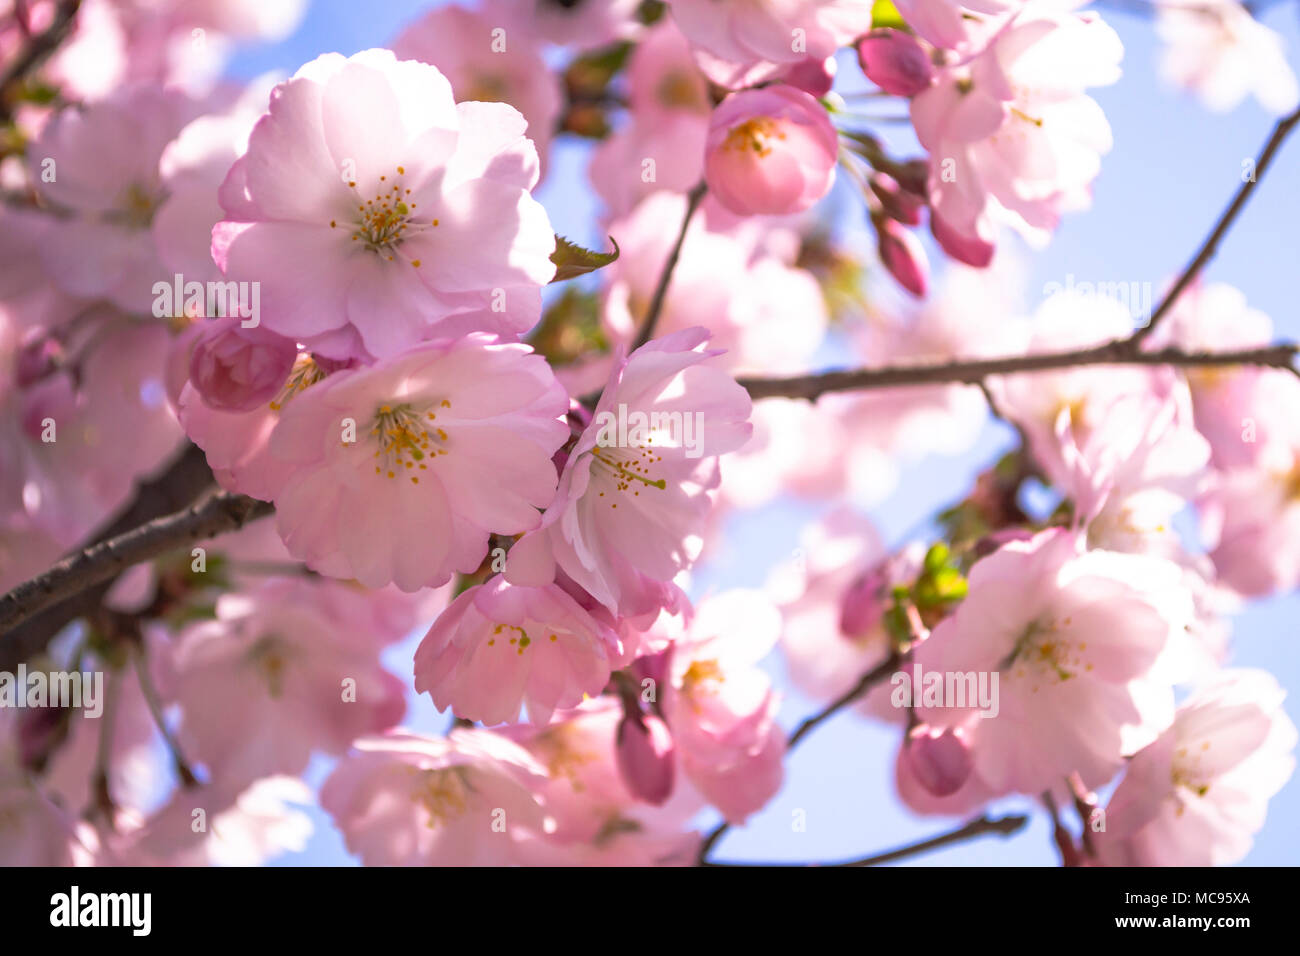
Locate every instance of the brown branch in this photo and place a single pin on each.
(867, 681)
(100, 562)
(693, 199)
(980, 826)
(34, 52)
(975, 371)
(175, 488)
(1211, 244)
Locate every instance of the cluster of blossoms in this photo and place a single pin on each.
(333, 288)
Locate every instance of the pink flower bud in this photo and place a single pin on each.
(902, 255)
(812, 75)
(940, 760)
(646, 758)
(863, 604)
(896, 62)
(896, 202)
(770, 151)
(913, 177)
(237, 369)
(972, 250)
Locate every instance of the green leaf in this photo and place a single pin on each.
(885, 14)
(571, 260)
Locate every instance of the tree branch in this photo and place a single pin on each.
(100, 562)
(974, 371)
(980, 826)
(176, 487)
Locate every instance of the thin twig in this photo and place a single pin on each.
(100, 788)
(154, 703)
(35, 52)
(867, 681)
(975, 371)
(980, 826)
(647, 332)
(1211, 244)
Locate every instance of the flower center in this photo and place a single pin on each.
(385, 221)
(268, 657)
(627, 469)
(754, 134)
(1186, 774)
(136, 206)
(406, 436)
(444, 794)
(304, 374)
(678, 90)
(698, 673)
(560, 751)
(1046, 651)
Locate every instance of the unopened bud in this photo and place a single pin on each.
(896, 62)
(940, 760)
(646, 758)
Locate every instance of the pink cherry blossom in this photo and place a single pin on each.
(964, 26)
(597, 819)
(498, 646)
(101, 166)
(1013, 138)
(1250, 516)
(1074, 638)
(486, 58)
(721, 708)
(770, 151)
(1198, 794)
(401, 470)
(402, 799)
(249, 828)
(1075, 400)
(371, 208)
(302, 662)
(1239, 409)
(741, 43)
(663, 481)
(828, 640)
(1220, 52)
(669, 108)
(73, 440)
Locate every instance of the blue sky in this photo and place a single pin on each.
(1173, 168)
